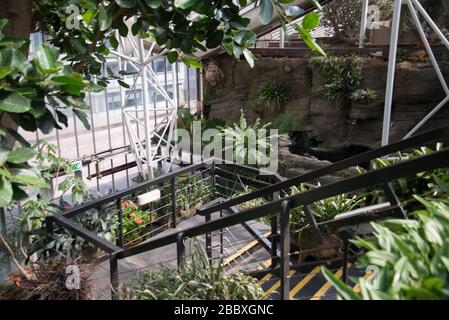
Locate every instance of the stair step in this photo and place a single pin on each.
(305, 286)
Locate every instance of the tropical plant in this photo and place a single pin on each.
(197, 279)
(322, 210)
(425, 183)
(342, 74)
(274, 93)
(33, 95)
(192, 191)
(250, 143)
(412, 257)
(364, 95)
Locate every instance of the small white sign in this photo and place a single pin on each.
(148, 197)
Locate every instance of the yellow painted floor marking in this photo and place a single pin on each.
(303, 282)
(356, 288)
(322, 291)
(243, 250)
(264, 264)
(265, 279)
(276, 286)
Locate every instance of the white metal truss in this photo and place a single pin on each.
(416, 10)
(156, 146)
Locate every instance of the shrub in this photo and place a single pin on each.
(342, 75)
(240, 133)
(198, 279)
(274, 93)
(412, 257)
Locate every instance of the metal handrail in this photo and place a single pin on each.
(359, 159)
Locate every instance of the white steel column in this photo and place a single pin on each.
(145, 102)
(391, 71)
(363, 23)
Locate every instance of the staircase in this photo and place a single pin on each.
(309, 285)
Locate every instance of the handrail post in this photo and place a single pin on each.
(345, 235)
(180, 249)
(274, 236)
(173, 203)
(208, 236)
(120, 240)
(113, 270)
(285, 250)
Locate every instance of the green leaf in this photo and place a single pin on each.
(123, 84)
(266, 11)
(311, 21)
(21, 155)
(29, 178)
(185, 4)
(6, 192)
(3, 23)
(114, 42)
(346, 292)
(47, 57)
(192, 63)
(128, 4)
(3, 155)
(104, 18)
(14, 103)
(89, 15)
(83, 118)
(294, 11)
(172, 56)
(4, 71)
(153, 4)
(249, 57)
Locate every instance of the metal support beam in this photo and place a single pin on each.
(391, 71)
(363, 23)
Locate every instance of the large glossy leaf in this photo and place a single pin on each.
(126, 3)
(104, 18)
(21, 155)
(6, 192)
(14, 102)
(266, 11)
(29, 178)
(154, 4)
(185, 4)
(311, 21)
(47, 57)
(249, 57)
(82, 117)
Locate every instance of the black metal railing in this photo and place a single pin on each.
(280, 205)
